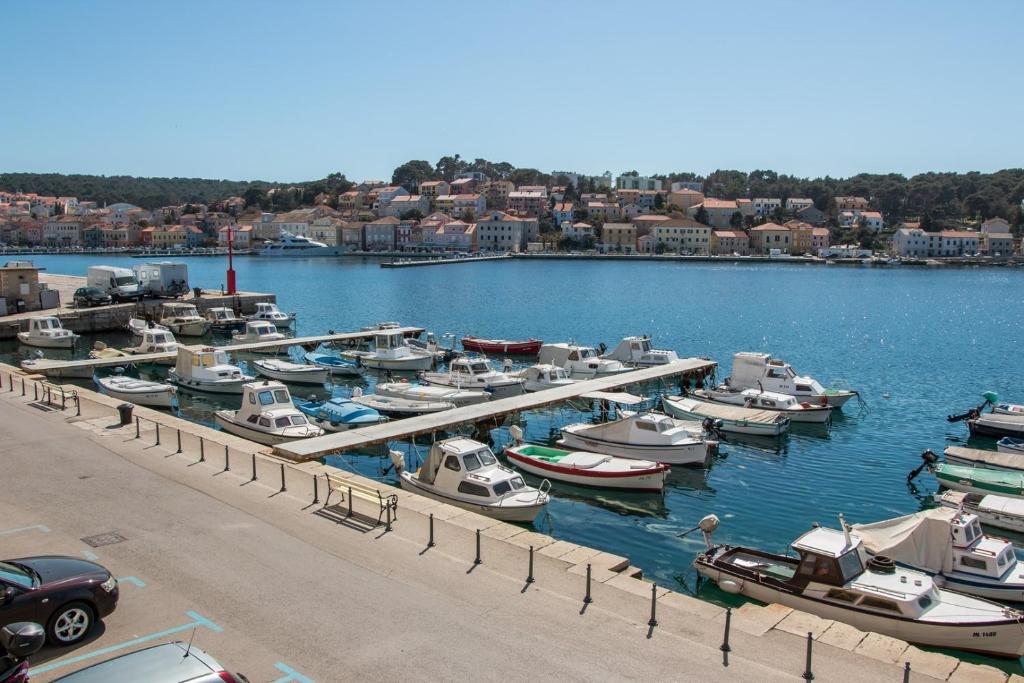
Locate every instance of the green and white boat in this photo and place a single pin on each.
(980, 480)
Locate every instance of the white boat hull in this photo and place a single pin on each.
(280, 323)
(221, 386)
(534, 385)
(46, 342)
(224, 421)
(196, 329)
(641, 482)
(507, 513)
(407, 364)
(750, 428)
(502, 390)
(317, 376)
(685, 454)
(154, 398)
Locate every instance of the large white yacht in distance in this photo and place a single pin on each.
(298, 245)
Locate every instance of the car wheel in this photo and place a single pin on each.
(69, 624)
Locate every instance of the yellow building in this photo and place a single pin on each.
(764, 238)
(619, 236)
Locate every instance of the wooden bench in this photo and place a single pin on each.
(386, 502)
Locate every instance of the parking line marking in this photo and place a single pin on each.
(133, 580)
(35, 527)
(90, 555)
(197, 620)
(293, 675)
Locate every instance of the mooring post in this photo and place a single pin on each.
(63, 399)
(906, 672)
(202, 450)
(179, 442)
(725, 647)
(227, 459)
(430, 543)
(529, 573)
(477, 559)
(157, 433)
(808, 675)
(78, 405)
(586, 598)
(283, 488)
(137, 427)
(653, 621)
(22, 386)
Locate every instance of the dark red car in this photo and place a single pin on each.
(67, 595)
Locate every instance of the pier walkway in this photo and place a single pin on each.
(397, 430)
(442, 261)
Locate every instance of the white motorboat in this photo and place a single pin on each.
(156, 341)
(419, 392)
(581, 362)
(790, 406)
(205, 368)
(760, 371)
(341, 367)
(286, 371)
(267, 416)
(289, 245)
(828, 579)
(465, 473)
(101, 351)
(643, 436)
(543, 376)
(401, 407)
(260, 331)
(138, 391)
(637, 352)
(183, 320)
(137, 326)
(949, 544)
(46, 332)
(390, 352)
(476, 373)
(1000, 512)
(272, 314)
(727, 418)
(1002, 420)
(223, 319)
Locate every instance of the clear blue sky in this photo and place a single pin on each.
(293, 91)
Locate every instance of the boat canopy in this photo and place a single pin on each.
(1003, 505)
(620, 397)
(720, 411)
(995, 459)
(922, 539)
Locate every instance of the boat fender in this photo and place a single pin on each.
(824, 400)
(733, 586)
(880, 564)
(806, 405)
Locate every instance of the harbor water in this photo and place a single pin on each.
(918, 344)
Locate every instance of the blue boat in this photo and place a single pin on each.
(335, 364)
(337, 414)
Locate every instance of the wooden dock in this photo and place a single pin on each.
(83, 367)
(427, 261)
(398, 430)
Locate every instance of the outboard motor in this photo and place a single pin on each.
(397, 459)
(708, 525)
(929, 458)
(506, 365)
(516, 432)
(21, 640)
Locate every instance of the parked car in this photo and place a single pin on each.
(65, 594)
(168, 663)
(91, 296)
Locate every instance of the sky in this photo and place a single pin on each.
(294, 91)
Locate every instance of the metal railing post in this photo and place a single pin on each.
(529, 573)
(254, 469)
(22, 386)
(157, 433)
(653, 621)
(808, 675)
(388, 526)
(227, 459)
(906, 672)
(430, 543)
(137, 428)
(179, 442)
(477, 559)
(202, 450)
(35, 391)
(78, 405)
(316, 490)
(283, 487)
(63, 399)
(586, 598)
(725, 647)
(349, 501)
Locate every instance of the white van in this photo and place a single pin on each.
(162, 278)
(120, 283)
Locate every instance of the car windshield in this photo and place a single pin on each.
(15, 574)
(125, 280)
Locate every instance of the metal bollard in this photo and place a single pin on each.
(202, 450)
(157, 433)
(586, 598)
(316, 490)
(725, 647)
(906, 672)
(35, 391)
(808, 675)
(430, 543)
(227, 460)
(529, 574)
(653, 621)
(22, 386)
(254, 470)
(349, 501)
(283, 487)
(477, 559)
(179, 442)
(137, 433)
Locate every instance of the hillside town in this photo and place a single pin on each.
(628, 214)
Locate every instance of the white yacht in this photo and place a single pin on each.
(223, 319)
(792, 407)
(205, 368)
(47, 332)
(476, 373)
(752, 370)
(465, 473)
(267, 416)
(828, 578)
(298, 245)
(390, 352)
(259, 331)
(542, 376)
(643, 436)
(419, 392)
(271, 313)
(581, 362)
(183, 320)
(637, 352)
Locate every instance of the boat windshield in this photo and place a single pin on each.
(479, 368)
(299, 420)
(851, 565)
(587, 353)
(517, 483)
(472, 462)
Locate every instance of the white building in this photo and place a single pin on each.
(403, 203)
(765, 206)
(794, 204)
(632, 182)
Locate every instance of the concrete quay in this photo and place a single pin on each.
(292, 586)
(411, 262)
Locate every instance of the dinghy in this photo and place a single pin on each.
(46, 332)
(727, 418)
(642, 436)
(401, 407)
(979, 480)
(995, 460)
(1009, 444)
(419, 392)
(756, 399)
(267, 416)
(339, 367)
(286, 371)
(1000, 512)
(337, 414)
(138, 391)
(530, 347)
(1003, 419)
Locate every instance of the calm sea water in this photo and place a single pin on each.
(917, 343)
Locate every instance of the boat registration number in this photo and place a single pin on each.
(983, 634)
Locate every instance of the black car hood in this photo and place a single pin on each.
(54, 568)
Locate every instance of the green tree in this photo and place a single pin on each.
(410, 174)
(702, 215)
(736, 221)
(412, 215)
(659, 202)
(448, 167)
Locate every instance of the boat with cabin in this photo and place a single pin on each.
(286, 371)
(543, 376)
(637, 352)
(792, 407)
(183, 319)
(257, 331)
(138, 391)
(529, 347)
(46, 332)
(420, 392)
(338, 413)
(137, 326)
(270, 313)
(335, 365)
(581, 362)
(223, 320)
(465, 473)
(289, 245)
(754, 422)
(267, 416)
(206, 368)
(752, 370)
(1001, 512)
(390, 352)
(1003, 419)
(155, 341)
(643, 436)
(476, 373)
(831, 577)
(103, 352)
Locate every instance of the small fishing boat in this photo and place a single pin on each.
(102, 351)
(390, 352)
(223, 320)
(949, 545)
(270, 313)
(581, 362)
(472, 478)
(337, 366)
(419, 392)
(637, 352)
(267, 416)
(205, 368)
(155, 341)
(137, 326)
(974, 457)
(979, 480)
(727, 418)
(475, 373)
(760, 371)
(46, 332)
(1000, 512)
(138, 391)
(790, 406)
(401, 407)
(642, 436)
(257, 331)
(832, 578)
(338, 414)
(286, 371)
(541, 376)
(183, 320)
(1009, 444)
(529, 347)
(587, 469)
(1003, 419)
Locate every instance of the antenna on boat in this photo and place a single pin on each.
(846, 530)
